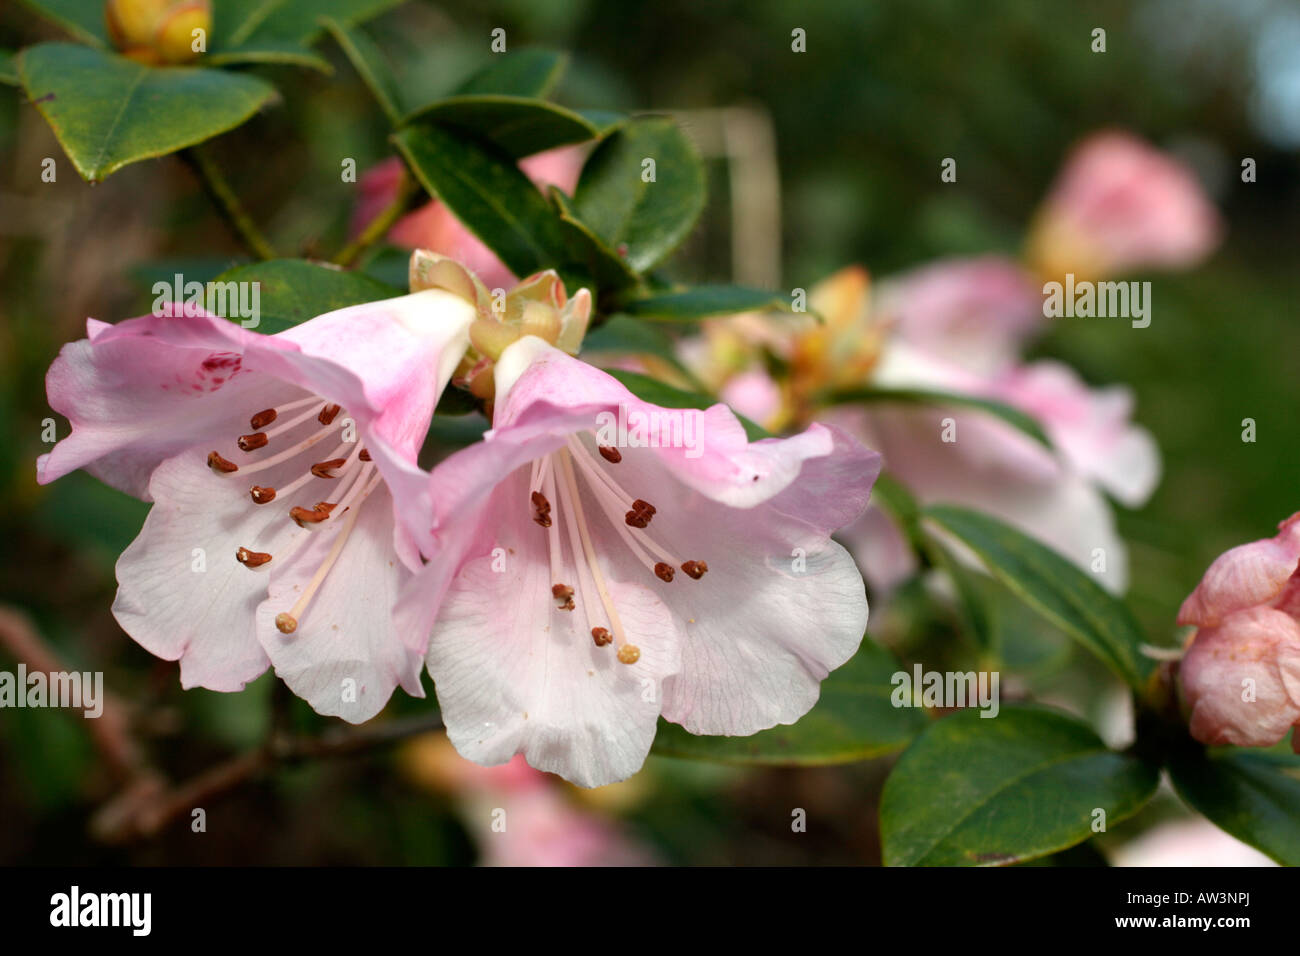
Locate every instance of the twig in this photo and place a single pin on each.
(227, 203)
(110, 731)
(377, 228)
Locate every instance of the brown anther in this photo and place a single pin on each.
(324, 469)
(252, 442)
(645, 506)
(664, 572)
(261, 495)
(561, 591)
(251, 559)
(326, 506)
(286, 623)
(568, 604)
(629, 654)
(327, 414)
(262, 418)
(541, 509)
(220, 465)
(695, 569)
(365, 454)
(637, 519)
(304, 516)
(610, 453)
(601, 636)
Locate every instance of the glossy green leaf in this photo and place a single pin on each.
(83, 19)
(642, 220)
(1253, 796)
(295, 290)
(518, 126)
(590, 253)
(853, 720)
(702, 301)
(1055, 587)
(370, 64)
(954, 400)
(108, 111)
(974, 791)
(486, 191)
(8, 68)
(269, 54)
(525, 72)
(249, 23)
(658, 393)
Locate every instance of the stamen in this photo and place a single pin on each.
(601, 636)
(629, 654)
(297, 420)
(262, 418)
(640, 515)
(541, 509)
(291, 452)
(303, 517)
(610, 454)
(261, 495)
(664, 572)
(365, 454)
(564, 594)
(286, 623)
(220, 465)
(252, 442)
(327, 414)
(325, 469)
(251, 559)
(696, 569)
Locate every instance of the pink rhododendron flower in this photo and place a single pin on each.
(1241, 674)
(593, 583)
(1119, 205)
(275, 464)
(434, 228)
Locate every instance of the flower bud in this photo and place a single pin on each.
(157, 31)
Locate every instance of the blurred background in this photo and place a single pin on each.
(845, 142)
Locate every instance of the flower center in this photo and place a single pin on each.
(555, 478)
(348, 466)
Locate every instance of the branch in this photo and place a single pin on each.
(227, 203)
(377, 228)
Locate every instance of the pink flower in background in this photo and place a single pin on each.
(1119, 205)
(434, 228)
(1194, 842)
(592, 584)
(1241, 674)
(277, 467)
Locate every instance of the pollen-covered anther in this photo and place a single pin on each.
(602, 637)
(325, 469)
(365, 454)
(629, 654)
(696, 569)
(610, 454)
(541, 509)
(220, 465)
(327, 414)
(261, 495)
(641, 513)
(309, 516)
(286, 623)
(262, 418)
(252, 442)
(664, 572)
(251, 559)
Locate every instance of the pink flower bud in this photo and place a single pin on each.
(1246, 576)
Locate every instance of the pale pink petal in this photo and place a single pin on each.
(1245, 576)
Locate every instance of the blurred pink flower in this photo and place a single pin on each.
(1195, 842)
(1120, 205)
(434, 228)
(1241, 675)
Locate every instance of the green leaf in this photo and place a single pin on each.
(702, 301)
(367, 59)
(295, 290)
(108, 111)
(1253, 796)
(853, 720)
(976, 791)
(83, 19)
(247, 23)
(644, 221)
(485, 190)
(588, 252)
(525, 72)
(8, 68)
(518, 126)
(1053, 586)
(658, 393)
(921, 396)
(269, 54)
